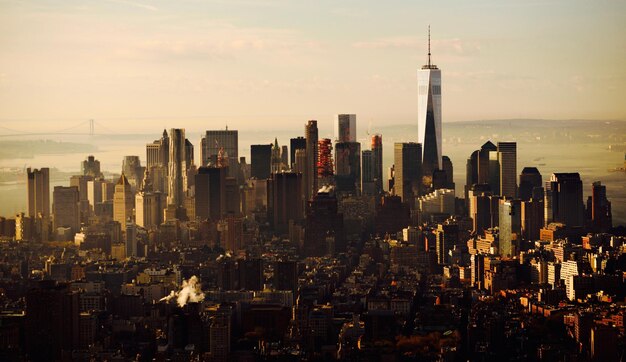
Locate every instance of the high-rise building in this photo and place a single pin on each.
(324, 230)
(325, 168)
(123, 201)
(216, 140)
(261, 161)
(298, 143)
(131, 167)
(345, 128)
(507, 159)
(210, 193)
(566, 199)
(91, 167)
(600, 208)
(148, 206)
(510, 227)
(38, 192)
(65, 201)
(529, 179)
(285, 200)
(532, 219)
(157, 152)
(377, 162)
(348, 167)
(449, 172)
(94, 192)
(429, 115)
(368, 187)
(408, 171)
(177, 167)
(447, 237)
(310, 174)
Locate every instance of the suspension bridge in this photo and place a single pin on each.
(83, 128)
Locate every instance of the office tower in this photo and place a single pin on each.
(284, 156)
(447, 237)
(471, 175)
(23, 227)
(232, 233)
(52, 321)
(510, 226)
(261, 161)
(91, 167)
(528, 180)
(391, 178)
(285, 200)
(600, 208)
(449, 172)
(311, 135)
(408, 171)
(189, 155)
(429, 115)
(483, 163)
(148, 206)
(131, 167)
(439, 203)
(299, 164)
(233, 198)
(324, 159)
(157, 152)
(251, 273)
(348, 167)
(345, 127)
(38, 192)
(298, 143)
(65, 201)
(566, 199)
(507, 160)
(108, 190)
(123, 201)
(368, 187)
(80, 182)
(177, 167)
(94, 192)
(210, 193)
(532, 219)
(277, 161)
(483, 208)
(216, 140)
(324, 230)
(130, 243)
(377, 162)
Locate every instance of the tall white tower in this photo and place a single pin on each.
(429, 115)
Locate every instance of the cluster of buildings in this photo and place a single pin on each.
(308, 252)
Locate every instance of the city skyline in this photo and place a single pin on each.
(120, 61)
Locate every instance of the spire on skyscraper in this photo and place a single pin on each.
(428, 45)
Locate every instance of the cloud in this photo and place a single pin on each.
(454, 46)
(134, 4)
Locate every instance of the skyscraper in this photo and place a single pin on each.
(507, 160)
(566, 199)
(65, 208)
(345, 128)
(177, 167)
(348, 167)
(377, 162)
(123, 201)
(261, 161)
(38, 192)
(295, 144)
(528, 180)
(600, 208)
(310, 174)
(429, 115)
(214, 140)
(157, 152)
(210, 193)
(368, 186)
(91, 167)
(285, 200)
(408, 171)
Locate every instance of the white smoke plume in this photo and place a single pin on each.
(190, 291)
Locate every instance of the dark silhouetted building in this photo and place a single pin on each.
(407, 170)
(284, 193)
(528, 180)
(392, 215)
(210, 198)
(261, 161)
(298, 143)
(599, 208)
(507, 161)
(324, 230)
(566, 199)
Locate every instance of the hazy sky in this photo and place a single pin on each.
(134, 63)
